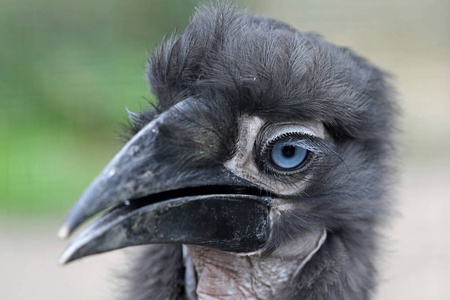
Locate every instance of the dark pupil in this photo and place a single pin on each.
(288, 151)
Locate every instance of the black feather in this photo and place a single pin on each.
(235, 64)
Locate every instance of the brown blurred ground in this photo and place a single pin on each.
(416, 267)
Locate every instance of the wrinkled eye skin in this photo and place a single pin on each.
(291, 155)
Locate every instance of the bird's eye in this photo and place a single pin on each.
(287, 155)
(289, 151)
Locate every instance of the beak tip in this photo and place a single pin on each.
(67, 256)
(63, 260)
(64, 231)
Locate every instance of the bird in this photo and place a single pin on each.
(262, 172)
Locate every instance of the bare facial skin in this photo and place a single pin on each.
(243, 164)
(226, 276)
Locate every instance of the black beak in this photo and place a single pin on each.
(151, 199)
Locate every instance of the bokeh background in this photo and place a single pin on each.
(68, 69)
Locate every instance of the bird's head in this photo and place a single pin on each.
(265, 142)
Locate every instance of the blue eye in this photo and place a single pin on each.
(287, 155)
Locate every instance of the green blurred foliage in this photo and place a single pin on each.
(68, 70)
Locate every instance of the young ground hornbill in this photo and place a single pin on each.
(261, 173)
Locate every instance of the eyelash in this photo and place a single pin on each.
(315, 147)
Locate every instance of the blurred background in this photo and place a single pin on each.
(68, 69)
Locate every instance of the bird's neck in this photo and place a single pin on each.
(222, 275)
(331, 270)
